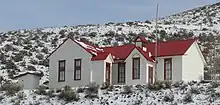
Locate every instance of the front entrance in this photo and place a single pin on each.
(150, 75)
(107, 73)
(121, 72)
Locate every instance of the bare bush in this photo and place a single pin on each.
(127, 90)
(168, 98)
(187, 98)
(10, 88)
(67, 94)
(92, 90)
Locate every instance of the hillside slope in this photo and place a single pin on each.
(22, 50)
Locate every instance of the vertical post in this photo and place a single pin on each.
(156, 46)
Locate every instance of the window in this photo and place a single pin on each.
(77, 69)
(168, 69)
(136, 68)
(121, 72)
(61, 71)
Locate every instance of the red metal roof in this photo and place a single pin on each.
(100, 56)
(171, 48)
(146, 54)
(168, 48)
(120, 52)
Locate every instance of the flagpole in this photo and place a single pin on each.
(156, 46)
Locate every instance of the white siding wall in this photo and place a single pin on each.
(176, 68)
(193, 65)
(99, 70)
(29, 81)
(143, 67)
(69, 51)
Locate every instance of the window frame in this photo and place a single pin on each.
(169, 60)
(75, 70)
(133, 69)
(119, 72)
(59, 70)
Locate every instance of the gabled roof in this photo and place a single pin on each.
(168, 48)
(122, 52)
(171, 48)
(35, 73)
(100, 56)
(142, 39)
(94, 50)
(146, 54)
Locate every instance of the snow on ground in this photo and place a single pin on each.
(202, 94)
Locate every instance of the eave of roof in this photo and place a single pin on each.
(35, 73)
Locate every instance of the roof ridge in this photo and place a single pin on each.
(174, 41)
(118, 46)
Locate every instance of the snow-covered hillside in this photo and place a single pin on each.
(22, 50)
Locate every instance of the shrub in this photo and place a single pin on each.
(45, 50)
(34, 62)
(21, 95)
(166, 84)
(139, 87)
(168, 98)
(214, 84)
(18, 57)
(50, 93)
(10, 65)
(194, 90)
(183, 86)
(31, 68)
(1, 98)
(10, 88)
(187, 98)
(213, 96)
(11, 73)
(155, 86)
(80, 90)
(178, 84)
(192, 83)
(44, 62)
(67, 94)
(105, 85)
(110, 88)
(92, 90)
(40, 56)
(127, 90)
(9, 47)
(41, 90)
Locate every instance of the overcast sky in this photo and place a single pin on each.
(26, 14)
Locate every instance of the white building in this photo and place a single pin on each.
(75, 63)
(29, 79)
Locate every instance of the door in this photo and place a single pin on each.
(107, 73)
(150, 74)
(121, 72)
